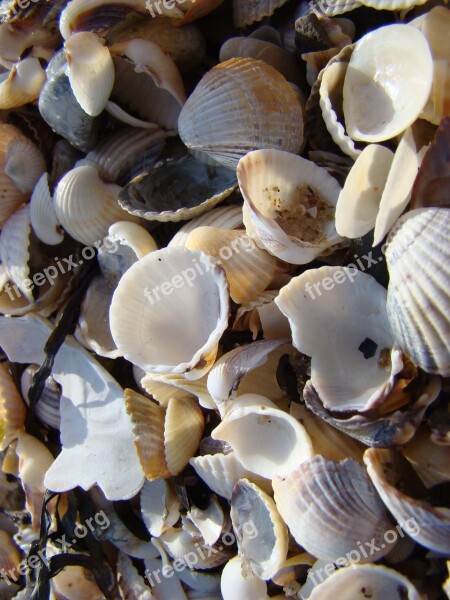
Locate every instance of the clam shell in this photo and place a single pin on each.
(428, 525)
(14, 250)
(417, 256)
(209, 521)
(22, 84)
(24, 162)
(289, 204)
(265, 439)
(196, 306)
(90, 71)
(387, 82)
(131, 584)
(47, 408)
(234, 584)
(196, 387)
(376, 580)
(223, 217)
(246, 12)
(86, 207)
(12, 409)
(241, 105)
(43, 215)
(160, 507)
(178, 189)
(183, 428)
(346, 374)
(251, 506)
(329, 507)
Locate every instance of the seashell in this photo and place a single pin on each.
(223, 217)
(273, 55)
(43, 215)
(429, 525)
(263, 314)
(195, 387)
(47, 408)
(126, 153)
(382, 97)
(354, 357)
(64, 158)
(330, 83)
(392, 430)
(180, 546)
(14, 250)
(246, 12)
(162, 392)
(60, 109)
(165, 439)
(221, 472)
(148, 82)
(178, 189)
(22, 84)
(228, 113)
(160, 507)
(209, 522)
(250, 504)
(74, 583)
(90, 71)
(430, 460)
(359, 200)
(416, 256)
(234, 584)
(249, 269)
(434, 26)
(329, 507)
(34, 461)
(432, 184)
(376, 580)
(191, 350)
(12, 410)
(315, 62)
(9, 554)
(24, 162)
(86, 207)
(266, 440)
(131, 584)
(94, 422)
(332, 8)
(289, 204)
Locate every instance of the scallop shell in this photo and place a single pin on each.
(246, 12)
(387, 82)
(266, 440)
(176, 190)
(417, 256)
(376, 580)
(86, 207)
(22, 84)
(354, 358)
(165, 439)
(196, 305)
(234, 584)
(241, 105)
(428, 525)
(47, 408)
(250, 504)
(249, 269)
(329, 507)
(90, 71)
(289, 204)
(43, 215)
(12, 409)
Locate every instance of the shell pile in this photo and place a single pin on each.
(224, 299)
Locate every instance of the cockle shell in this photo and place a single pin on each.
(22, 84)
(223, 217)
(330, 507)
(246, 12)
(47, 408)
(387, 82)
(196, 305)
(43, 215)
(289, 204)
(264, 548)
(354, 358)
(417, 257)
(179, 544)
(160, 507)
(165, 438)
(246, 587)
(86, 207)
(241, 105)
(15, 250)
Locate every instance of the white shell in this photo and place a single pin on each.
(418, 259)
(387, 82)
(22, 84)
(14, 250)
(179, 331)
(224, 217)
(160, 507)
(289, 204)
(43, 215)
(24, 162)
(331, 507)
(47, 409)
(90, 71)
(236, 585)
(351, 308)
(267, 440)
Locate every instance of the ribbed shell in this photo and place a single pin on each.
(242, 105)
(418, 259)
(15, 249)
(43, 215)
(224, 217)
(47, 408)
(246, 12)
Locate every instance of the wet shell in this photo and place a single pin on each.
(197, 308)
(387, 82)
(241, 105)
(418, 256)
(330, 507)
(289, 204)
(43, 215)
(86, 207)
